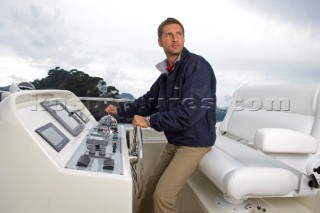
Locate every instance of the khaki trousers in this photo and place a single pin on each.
(174, 167)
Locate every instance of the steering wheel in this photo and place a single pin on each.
(136, 160)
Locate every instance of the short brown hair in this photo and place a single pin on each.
(166, 22)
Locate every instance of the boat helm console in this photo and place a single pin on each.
(55, 157)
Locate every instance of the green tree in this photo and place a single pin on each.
(78, 82)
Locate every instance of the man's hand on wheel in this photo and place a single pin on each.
(139, 121)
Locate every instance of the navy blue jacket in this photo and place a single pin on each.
(181, 103)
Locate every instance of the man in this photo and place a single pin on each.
(181, 103)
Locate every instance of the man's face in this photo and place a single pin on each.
(172, 39)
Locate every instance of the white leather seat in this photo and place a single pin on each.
(241, 171)
(272, 117)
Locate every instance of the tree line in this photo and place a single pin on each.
(78, 82)
(82, 85)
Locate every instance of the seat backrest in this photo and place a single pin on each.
(295, 107)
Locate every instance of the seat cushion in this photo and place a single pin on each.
(242, 172)
(278, 140)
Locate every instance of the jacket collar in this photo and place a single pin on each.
(162, 66)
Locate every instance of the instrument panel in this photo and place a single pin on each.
(66, 117)
(53, 149)
(101, 150)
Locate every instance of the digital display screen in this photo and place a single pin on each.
(64, 116)
(53, 136)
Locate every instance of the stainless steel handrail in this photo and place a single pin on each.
(104, 99)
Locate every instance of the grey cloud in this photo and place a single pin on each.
(17, 78)
(295, 61)
(37, 33)
(276, 69)
(298, 11)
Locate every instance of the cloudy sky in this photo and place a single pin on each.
(247, 42)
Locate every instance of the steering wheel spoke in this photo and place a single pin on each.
(136, 161)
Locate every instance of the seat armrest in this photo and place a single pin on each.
(277, 140)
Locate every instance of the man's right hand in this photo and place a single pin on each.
(112, 109)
